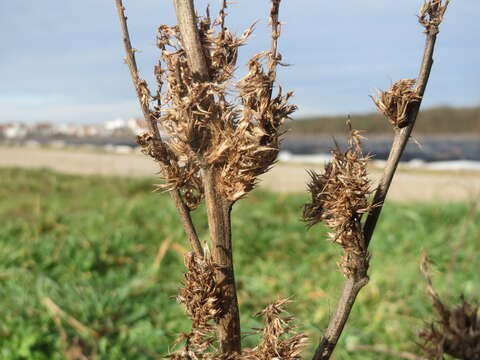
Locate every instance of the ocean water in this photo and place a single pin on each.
(425, 148)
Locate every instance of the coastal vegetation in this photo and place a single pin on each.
(97, 251)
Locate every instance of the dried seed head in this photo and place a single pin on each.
(280, 340)
(202, 299)
(205, 124)
(431, 15)
(395, 102)
(231, 127)
(455, 331)
(151, 148)
(175, 173)
(339, 199)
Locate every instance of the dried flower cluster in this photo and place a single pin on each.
(279, 337)
(395, 102)
(455, 332)
(202, 299)
(175, 172)
(340, 196)
(230, 126)
(431, 15)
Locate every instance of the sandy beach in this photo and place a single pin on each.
(408, 186)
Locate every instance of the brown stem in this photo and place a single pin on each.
(400, 140)
(275, 24)
(187, 222)
(218, 208)
(143, 98)
(274, 56)
(187, 22)
(132, 66)
(218, 211)
(353, 286)
(329, 340)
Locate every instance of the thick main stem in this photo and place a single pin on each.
(218, 211)
(218, 208)
(353, 286)
(182, 209)
(187, 23)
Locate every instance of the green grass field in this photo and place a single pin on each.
(90, 245)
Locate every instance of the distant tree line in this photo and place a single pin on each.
(437, 120)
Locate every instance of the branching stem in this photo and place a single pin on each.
(218, 208)
(400, 140)
(143, 98)
(353, 285)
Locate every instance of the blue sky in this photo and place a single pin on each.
(61, 61)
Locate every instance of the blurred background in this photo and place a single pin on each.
(90, 256)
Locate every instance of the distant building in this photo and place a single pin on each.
(42, 128)
(15, 131)
(137, 125)
(66, 129)
(115, 125)
(2, 129)
(116, 128)
(90, 130)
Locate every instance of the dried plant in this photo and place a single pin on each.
(221, 135)
(206, 125)
(431, 14)
(393, 104)
(455, 331)
(279, 340)
(175, 173)
(401, 104)
(340, 197)
(202, 298)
